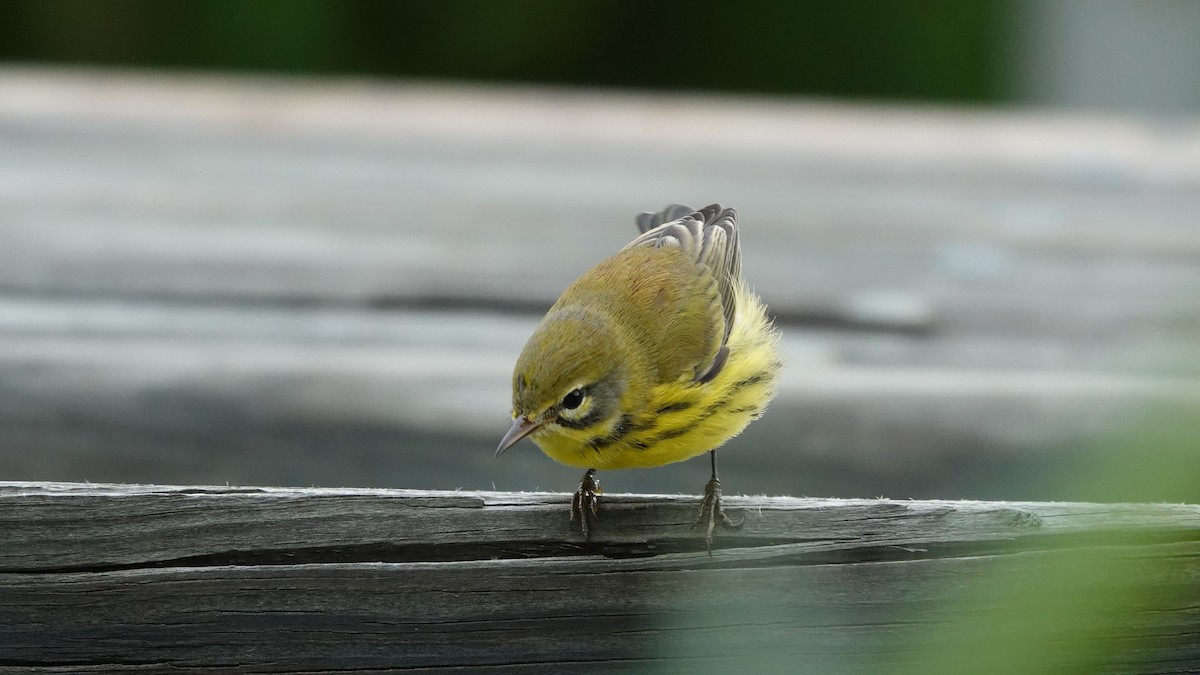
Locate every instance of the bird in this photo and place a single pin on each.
(658, 354)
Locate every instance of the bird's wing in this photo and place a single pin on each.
(710, 235)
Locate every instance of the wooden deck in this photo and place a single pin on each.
(267, 281)
(126, 578)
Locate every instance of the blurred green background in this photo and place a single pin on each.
(1083, 53)
(931, 50)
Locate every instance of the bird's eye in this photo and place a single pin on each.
(573, 400)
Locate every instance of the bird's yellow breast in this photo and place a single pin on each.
(680, 418)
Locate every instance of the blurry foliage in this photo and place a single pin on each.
(1087, 606)
(930, 49)
(1078, 610)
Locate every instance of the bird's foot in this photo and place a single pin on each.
(584, 503)
(711, 511)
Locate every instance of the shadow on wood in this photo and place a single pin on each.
(112, 577)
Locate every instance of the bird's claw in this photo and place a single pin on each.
(585, 501)
(711, 511)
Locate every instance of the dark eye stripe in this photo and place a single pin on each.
(593, 415)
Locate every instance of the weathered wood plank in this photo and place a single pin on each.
(188, 522)
(618, 616)
(274, 580)
(416, 194)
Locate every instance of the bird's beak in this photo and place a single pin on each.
(520, 428)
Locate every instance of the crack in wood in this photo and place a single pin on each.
(739, 552)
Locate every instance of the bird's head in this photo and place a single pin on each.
(569, 380)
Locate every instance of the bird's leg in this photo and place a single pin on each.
(711, 509)
(585, 501)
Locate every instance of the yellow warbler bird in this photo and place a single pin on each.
(656, 355)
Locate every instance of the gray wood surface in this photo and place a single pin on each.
(133, 578)
(255, 280)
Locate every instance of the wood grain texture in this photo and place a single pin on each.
(134, 578)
